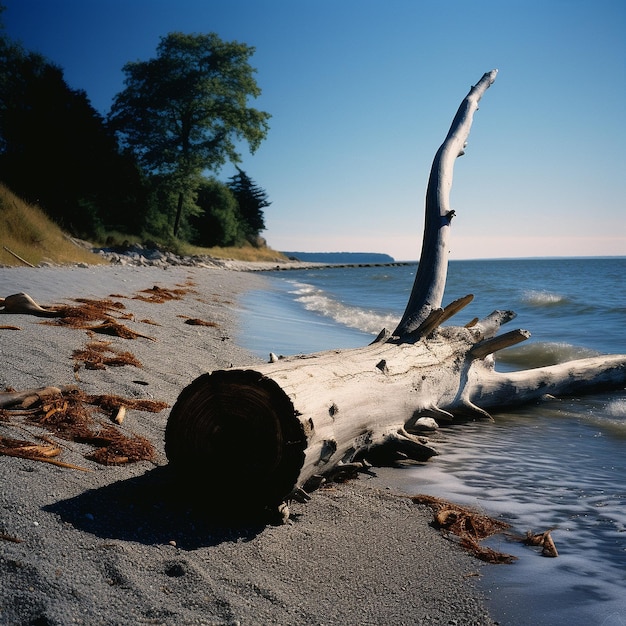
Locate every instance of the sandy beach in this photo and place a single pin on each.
(120, 544)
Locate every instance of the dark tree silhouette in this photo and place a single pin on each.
(219, 223)
(251, 200)
(55, 149)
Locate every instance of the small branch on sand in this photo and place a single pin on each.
(18, 257)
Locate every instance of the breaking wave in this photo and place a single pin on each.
(543, 353)
(617, 408)
(543, 298)
(319, 301)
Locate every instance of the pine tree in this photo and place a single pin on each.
(251, 200)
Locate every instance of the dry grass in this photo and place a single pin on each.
(28, 232)
(245, 253)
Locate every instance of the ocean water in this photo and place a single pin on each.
(560, 464)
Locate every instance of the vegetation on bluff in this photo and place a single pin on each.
(147, 170)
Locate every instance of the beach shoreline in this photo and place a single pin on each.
(116, 545)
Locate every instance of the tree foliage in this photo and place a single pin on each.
(184, 111)
(56, 151)
(182, 114)
(219, 222)
(251, 200)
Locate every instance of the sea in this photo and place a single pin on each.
(558, 465)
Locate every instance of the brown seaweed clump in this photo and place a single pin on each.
(159, 295)
(194, 321)
(97, 355)
(71, 415)
(88, 310)
(116, 448)
(86, 314)
(468, 525)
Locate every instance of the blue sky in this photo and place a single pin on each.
(362, 93)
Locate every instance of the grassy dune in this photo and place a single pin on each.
(27, 232)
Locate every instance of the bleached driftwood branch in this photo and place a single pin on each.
(430, 280)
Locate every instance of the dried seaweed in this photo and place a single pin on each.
(158, 295)
(110, 403)
(543, 540)
(83, 316)
(97, 355)
(69, 415)
(117, 448)
(194, 321)
(149, 321)
(469, 525)
(86, 311)
(115, 329)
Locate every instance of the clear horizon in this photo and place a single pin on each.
(503, 258)
(362, 93)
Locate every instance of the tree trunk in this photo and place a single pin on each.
(179, 212)
(265, 434)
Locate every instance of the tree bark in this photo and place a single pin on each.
(179, 212)
(264, 434)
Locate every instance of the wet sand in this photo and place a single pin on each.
(121, 545)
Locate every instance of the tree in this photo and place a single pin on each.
(251, 200)
(182, 112)
(219, 223)
(56, 150)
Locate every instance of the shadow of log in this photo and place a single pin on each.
(151, 510)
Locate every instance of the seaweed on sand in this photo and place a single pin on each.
(70, 415)
(468, 525)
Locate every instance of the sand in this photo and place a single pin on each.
(119, 545)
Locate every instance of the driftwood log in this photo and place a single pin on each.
(266, 434)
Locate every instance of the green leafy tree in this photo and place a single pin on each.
(251, 200)
(218, 223)
(184, 111)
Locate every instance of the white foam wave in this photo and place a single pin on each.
(366, 320)
(542, 298)
(617, 408)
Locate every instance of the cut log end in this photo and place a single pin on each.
(234, 434)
